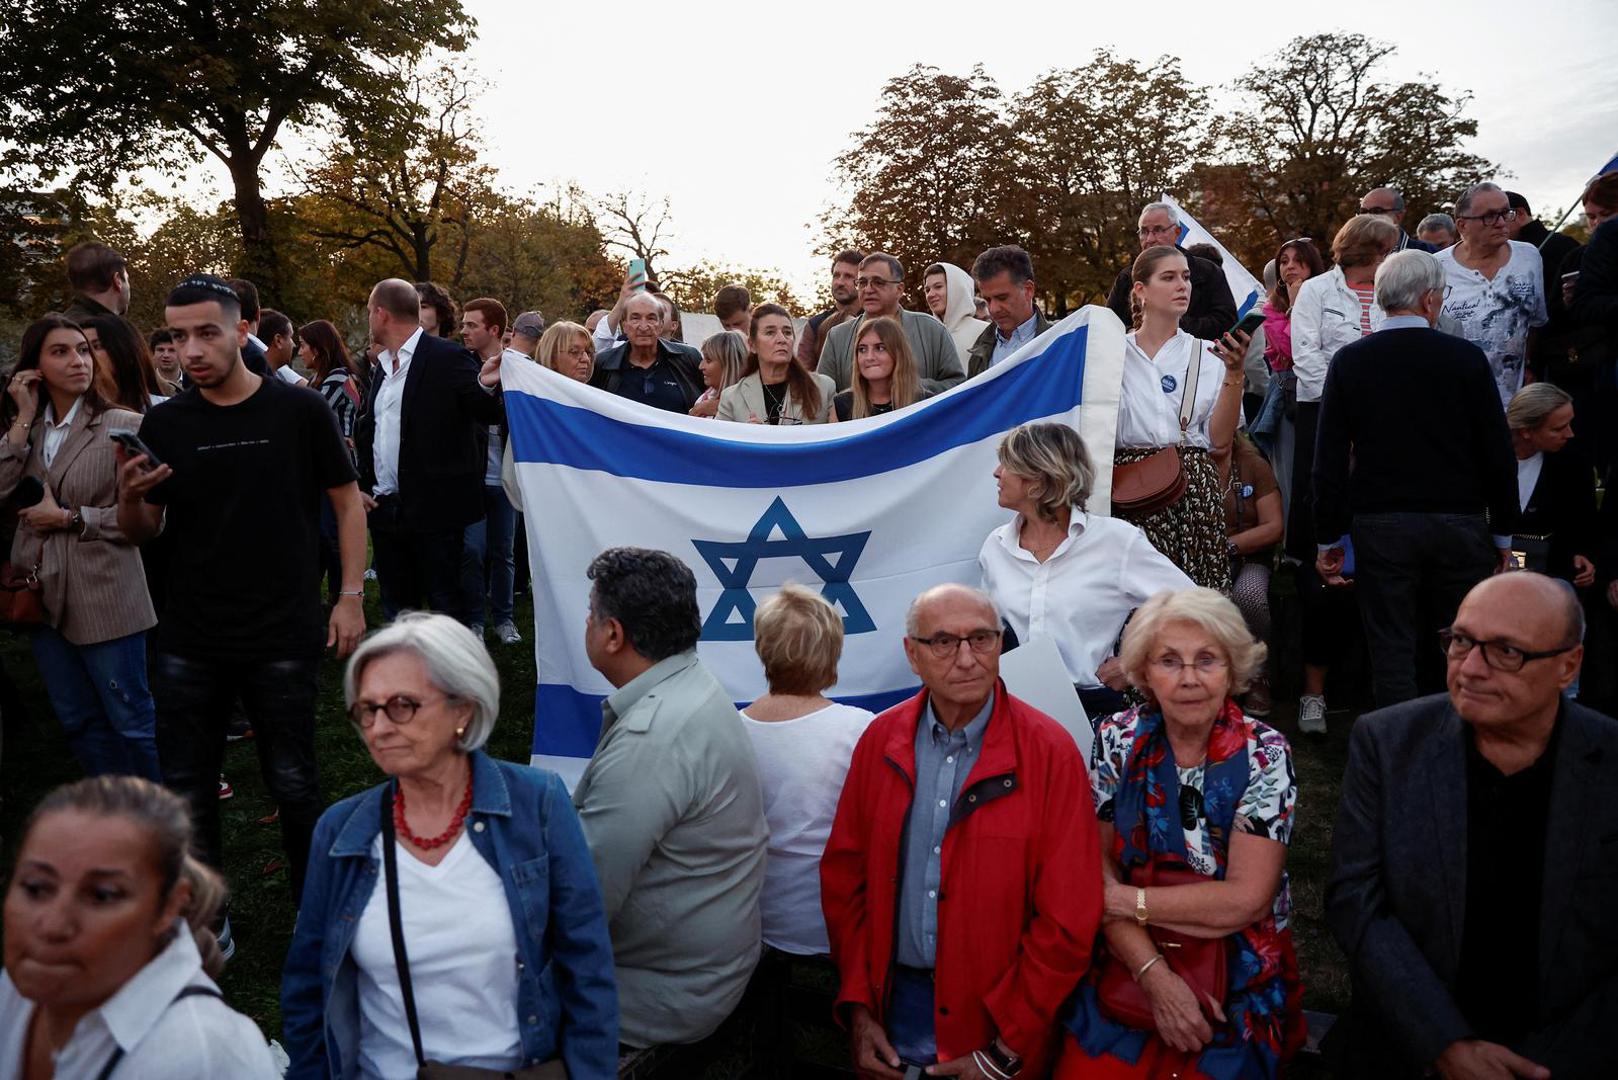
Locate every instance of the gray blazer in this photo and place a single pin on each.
(745, 397)
(673, 812)
(1397, 894)
(938, 362)
(92, 582)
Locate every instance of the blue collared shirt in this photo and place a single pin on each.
(943, 760)
(1004, 346)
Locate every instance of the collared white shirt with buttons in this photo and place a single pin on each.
(56, 433)
(162, 1037)
(1153, 386)
(1081, 595)
(389, 414)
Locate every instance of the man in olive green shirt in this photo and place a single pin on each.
(671, 806)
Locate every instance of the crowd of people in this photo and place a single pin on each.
(1414, 435)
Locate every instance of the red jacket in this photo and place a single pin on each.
(1021, 896)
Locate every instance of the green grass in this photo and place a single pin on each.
(35, 758)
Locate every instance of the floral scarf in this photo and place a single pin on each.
(1263, 1003)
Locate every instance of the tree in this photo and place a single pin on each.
(95, 90)
(1321, 127)
(541, 256)
(927, 178)
(636, 225)
(408, 190)
(1091, 146)
(693, 289)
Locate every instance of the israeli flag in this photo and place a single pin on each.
(1246, 288)
(870, 512)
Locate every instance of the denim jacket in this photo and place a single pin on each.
(523, 824)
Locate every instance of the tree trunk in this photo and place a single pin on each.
(260, 264)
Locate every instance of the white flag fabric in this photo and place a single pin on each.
(870, 512)
(1246, 288)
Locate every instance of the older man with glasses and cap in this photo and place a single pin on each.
(1474, 857)
(881, 287)
(1212, 310)
(981, 803)
(1494, 285)
(1389, 203)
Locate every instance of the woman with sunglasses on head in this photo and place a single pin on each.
(451, 914)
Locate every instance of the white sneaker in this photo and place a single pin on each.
(506, 633)
(1312, 714)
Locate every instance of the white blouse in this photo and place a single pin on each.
(193, 1038)
(1081, 595)
(1149, 405)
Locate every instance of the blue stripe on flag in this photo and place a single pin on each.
(1611, 166)
(567, 722)
(551, 433)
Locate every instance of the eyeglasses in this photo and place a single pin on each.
(1500, 655)
(1159, 230)
(874, 282)
(1203, 665)
(1490, 217)
(943, 646)
(400, 709)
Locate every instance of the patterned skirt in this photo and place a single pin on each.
(1191, 532)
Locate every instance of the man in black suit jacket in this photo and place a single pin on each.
(1212, 310)
(646, 367)
(1475, 858)
(420, 440)
(1414, 455)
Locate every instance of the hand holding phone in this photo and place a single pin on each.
(637, 275)
(135, 447)
(1249, 323)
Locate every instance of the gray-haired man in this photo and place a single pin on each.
(1212, 310)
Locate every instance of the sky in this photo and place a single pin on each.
(735, 112)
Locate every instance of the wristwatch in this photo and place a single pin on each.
(1009, 1064)
(78, 521)
(1140, 907)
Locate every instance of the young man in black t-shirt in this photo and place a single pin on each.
(245, 462)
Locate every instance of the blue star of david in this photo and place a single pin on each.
(831, 557)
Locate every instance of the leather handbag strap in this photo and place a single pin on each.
(401, 961)
(185, 992)
(1188, 393)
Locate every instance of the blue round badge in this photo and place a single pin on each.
(1169, 383)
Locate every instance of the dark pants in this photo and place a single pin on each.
(417, 571)
(1411, 573)
(487, 562)
(194, 702)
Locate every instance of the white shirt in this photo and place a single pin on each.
(287, 375)
(1081, 595)
(389, 418)
(1528, 470)
(463, 967)
(1497, 315)
(1149, 404)
(801, 767)
(56, 433)
(1325, 317)
(194, 1038)
(497, 441)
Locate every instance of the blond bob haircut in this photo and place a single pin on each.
(1362, 239)
(1533, 404)
(729, 350)
(1209, 611)
(556, 338)
(458, 666)
(1053, 458)
(799, 637)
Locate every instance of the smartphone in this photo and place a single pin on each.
(133, 445)
(1250, 323)
(637, 274)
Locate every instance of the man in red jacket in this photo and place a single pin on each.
(962, 880)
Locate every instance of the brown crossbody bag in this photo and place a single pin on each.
(1143, 487)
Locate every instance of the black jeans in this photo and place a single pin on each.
(194, 702)
(1411, 572)
(417, 571)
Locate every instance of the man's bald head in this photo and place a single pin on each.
(952, 596)
(1544, 608)
(644, 302)
(397, 297)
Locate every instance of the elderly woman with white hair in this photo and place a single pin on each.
(1195, 801)
(1060, 572)
(451, 914)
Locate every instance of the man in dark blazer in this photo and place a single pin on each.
(1412, 458)
(1005, 280)
(420, 440)
(1475, 858)
(647, 368)
(1212, 310)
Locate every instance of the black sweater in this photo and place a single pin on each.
(1411, 422)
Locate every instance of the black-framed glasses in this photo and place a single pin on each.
(874, 282)
(1490, 217)
(400, 709)
(943, 646)
(1500, 655)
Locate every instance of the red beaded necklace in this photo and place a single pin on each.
(428, 843)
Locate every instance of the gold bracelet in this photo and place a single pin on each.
(1140, 907)
(1144, 968)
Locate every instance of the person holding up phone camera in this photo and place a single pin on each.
(59, 465)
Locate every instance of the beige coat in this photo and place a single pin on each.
(745, 398)
(93, 585)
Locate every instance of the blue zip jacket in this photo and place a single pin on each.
(523, 824)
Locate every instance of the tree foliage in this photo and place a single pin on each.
(541, 256)
(637, 226)
(94, 90)
(693, 289)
